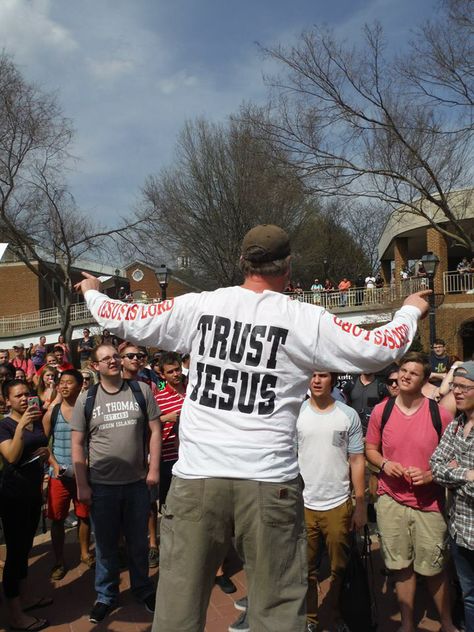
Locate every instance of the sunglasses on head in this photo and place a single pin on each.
(132, 356)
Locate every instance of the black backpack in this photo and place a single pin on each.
(90, 401)
(434, 412)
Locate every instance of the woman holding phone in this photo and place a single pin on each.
(23, 447)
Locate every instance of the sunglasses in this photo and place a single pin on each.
(132, 356)
(392, 382)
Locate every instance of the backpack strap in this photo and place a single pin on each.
(138, 394)
(387, 411)
(434, 412)
(89, 404)
(54, 416)
(435, 418)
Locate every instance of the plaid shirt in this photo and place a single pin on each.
(453, 445)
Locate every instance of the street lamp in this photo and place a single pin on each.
(325, 267)
(162, 274)
(430, 263)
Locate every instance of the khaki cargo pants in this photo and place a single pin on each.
(199, 520)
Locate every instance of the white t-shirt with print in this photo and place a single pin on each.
(252, 355)
(325, 440)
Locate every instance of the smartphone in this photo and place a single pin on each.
(34, 402)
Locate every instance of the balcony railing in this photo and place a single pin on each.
(357, 297)
(456, 283)
(360, 297)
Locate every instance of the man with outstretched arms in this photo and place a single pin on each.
(252, 353)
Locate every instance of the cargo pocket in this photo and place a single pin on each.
(438, 559)
(166, 539)
(185, 499)
(279, 503)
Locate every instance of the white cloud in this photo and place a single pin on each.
(176, 82)
(110, 69)
(25, 27)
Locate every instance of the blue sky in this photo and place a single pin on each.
(129, 73)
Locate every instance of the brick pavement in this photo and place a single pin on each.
(74, 595)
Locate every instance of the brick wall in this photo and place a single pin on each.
(19, 289)
(150, 284)
(449, 318)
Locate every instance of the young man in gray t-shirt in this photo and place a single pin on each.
(115, 480)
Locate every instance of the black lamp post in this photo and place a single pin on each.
(162, 274)
(430, 263)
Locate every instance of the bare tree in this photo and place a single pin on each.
(38, 216)
(223, 182)
(440, 65)
(356, 126)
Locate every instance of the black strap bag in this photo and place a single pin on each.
(357, 598)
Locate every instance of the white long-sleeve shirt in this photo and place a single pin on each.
(252, 355)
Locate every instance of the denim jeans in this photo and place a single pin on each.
(464, 561)
(120, 509)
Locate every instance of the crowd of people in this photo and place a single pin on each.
(257, 429)
(359, 290)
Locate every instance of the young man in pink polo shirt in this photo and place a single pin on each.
(409, 509)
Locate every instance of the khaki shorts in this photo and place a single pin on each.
(411, 536)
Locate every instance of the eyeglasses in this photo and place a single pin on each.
(109, 359)
(464, 388)
(131, 356)
(392, 382)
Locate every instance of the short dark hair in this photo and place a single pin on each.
(439, 341)
(419, 358)
(8, 369)
(77, 375)
(276, 268)
(9, 384)
(58, 348)
(168, 357)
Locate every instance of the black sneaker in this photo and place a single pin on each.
(242, 604)
(149, 603)
(99, 612)
(226, 584)
(241, 625)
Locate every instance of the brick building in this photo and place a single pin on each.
(144, 282)
(406, 238)
(23, 291)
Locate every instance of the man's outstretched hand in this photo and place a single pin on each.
(418, 299)
(90, 282)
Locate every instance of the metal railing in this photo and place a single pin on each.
(357, 297)
(360, 297)
(456, 283)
